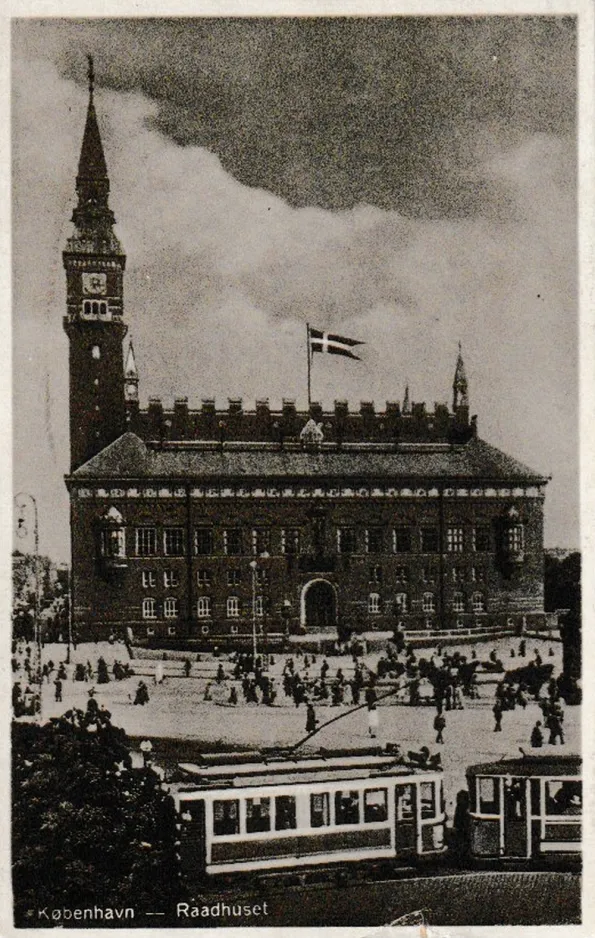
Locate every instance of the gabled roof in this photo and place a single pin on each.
(130, 458)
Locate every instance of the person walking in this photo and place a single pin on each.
(233, 696)
(187, 667)
(58, 686)
(537, 736)
(439, 726)
(555, 727)
(373, 720)
(311, 720)
(497, 711)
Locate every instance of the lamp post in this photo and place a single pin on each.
(23, 502)
(254, 568)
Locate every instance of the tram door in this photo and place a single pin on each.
(515, 817)
(405, 815)
(193, 839)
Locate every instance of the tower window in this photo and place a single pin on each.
(374, 603)
(203, 541)
(171, 608)
(233, 607)
(430, 540)
(146, 542)
(149, 609)
(402, 540)
(203, 607)
(96, 352)
(173, 542)
(454, 540)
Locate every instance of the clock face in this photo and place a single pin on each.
(94, 284)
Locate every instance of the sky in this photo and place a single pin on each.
(406, 181)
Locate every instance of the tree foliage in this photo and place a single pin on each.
(88, 829)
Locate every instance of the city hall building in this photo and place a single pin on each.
(216, 527)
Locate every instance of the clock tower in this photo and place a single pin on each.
(94, 263)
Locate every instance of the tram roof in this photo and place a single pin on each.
(545, 764)
(294, 770)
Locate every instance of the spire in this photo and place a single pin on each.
(459, 386)
(406, 402)
(92, 214)
(130, 375)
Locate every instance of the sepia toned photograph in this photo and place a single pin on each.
(296, 547)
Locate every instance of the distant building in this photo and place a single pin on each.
(207, 525)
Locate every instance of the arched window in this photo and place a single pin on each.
(402, 602)
(458, 602)
(112, 542)
(374, 603)
(479, 603)
(203, 607)
(233, 607)
(171, 608)
(149, 608)
(429, 602)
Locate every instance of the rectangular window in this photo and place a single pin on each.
(149, 579)
(285, 813)
(170, 579)
(481, 538)
(487, 790)
(233, 607)
(374, 603)
(234, 577)
(430, 541)
(171, 631)
(346, 540)
(262, 577)
(203, 541)
(478, 602)
(402, 540)
(261, 541)
(290, 541)
(375, 805)
(515, 538)
(401, 602)
(259, 606)
(174, 542)
(347, 807)
(113, 542)
(458, 574)
(454, 540)
(203, 607)
(171, 608)
(477, 574)
(374, 540)
(402, 574)
(563, 799)
(376, 574)
(429, 573)
(258, 815)
(232, 541)
(146, 542)
(150, 631)
(427, 798)
(458, 602)
(203, 577)
(405, 802)
(226, 817)
(320, 810)
(429, 602)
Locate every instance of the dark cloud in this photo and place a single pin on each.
(395, 112)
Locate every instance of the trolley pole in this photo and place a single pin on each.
(24, 501)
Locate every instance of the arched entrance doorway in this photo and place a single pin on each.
(319, 606)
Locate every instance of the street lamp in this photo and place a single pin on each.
(146, 747)
(254, 568)
(23, 502)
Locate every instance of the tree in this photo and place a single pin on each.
(88, 829)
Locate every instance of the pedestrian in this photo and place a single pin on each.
(220, 674)
(373, 720)
(142, 694)
(440, 726)
(497, 711)
(522, 648)
(207, 694)
(311, 721)
(554, 725)
(233, 696)
(58, 686)
(537, 736)
(187, 667)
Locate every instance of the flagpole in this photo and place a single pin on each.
(309, 364)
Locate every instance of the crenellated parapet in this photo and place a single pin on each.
(265, 424)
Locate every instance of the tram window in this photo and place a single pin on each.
(285, 818)
(258, 815)
(535, 797)
(405, 802)
(375, 805)
(320, 810)
(226, 817)
(426, 794)
(347, 807)
(563, 798)
(488, 796)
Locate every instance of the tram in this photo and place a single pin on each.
(242, 815)
(526, 809)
